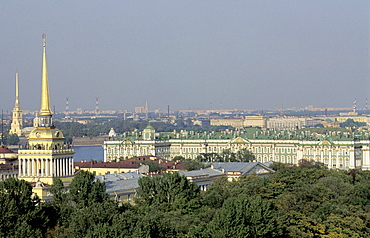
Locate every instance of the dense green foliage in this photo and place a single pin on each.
(303, 201)
(100, 127)
(242, 155)
(9, 139)
(351, 123)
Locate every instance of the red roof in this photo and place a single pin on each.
(6, 167)
(167, 164)
(5, 150)
(120, 164)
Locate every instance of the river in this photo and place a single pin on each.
(88, 153)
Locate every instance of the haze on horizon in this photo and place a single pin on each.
(187, 54)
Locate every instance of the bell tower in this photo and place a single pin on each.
(17, 121)
(47, 156)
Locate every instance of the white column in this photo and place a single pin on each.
(20, 167)
(28, 167)
(71, 167)
(337, 158)
(42, 166)
(352, 162)
(59, 167)
(56, 162)
(47, 168)
(63, 166)
(51, 167)
(37, 167)
(366, 157)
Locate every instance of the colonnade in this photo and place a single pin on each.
(46, 167)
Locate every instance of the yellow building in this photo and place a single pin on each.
(101, 168)
(354, 118)
(47, 156)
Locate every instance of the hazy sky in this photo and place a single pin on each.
(187, 54)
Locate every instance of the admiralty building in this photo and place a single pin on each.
(335, 147)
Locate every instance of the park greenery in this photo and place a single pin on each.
(99, 127)
(307, 200)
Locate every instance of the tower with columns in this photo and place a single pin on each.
(17, 121)
(46, 156)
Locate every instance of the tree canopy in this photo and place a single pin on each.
(304, 201)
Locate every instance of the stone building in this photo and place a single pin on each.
(334, 147)
(46, 156)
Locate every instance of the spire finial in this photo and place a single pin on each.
(44, 42)
(16, 90)
(45, 100)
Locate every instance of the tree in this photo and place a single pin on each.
(190, 164)
(19, 214)
(245, 217)
(169, 191)
(245, 155)
(86, 190)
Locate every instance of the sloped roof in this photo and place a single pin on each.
(119, 182)
(242, 167)
(120, 164)
(5, 150)
(203, 172)
(167, 164)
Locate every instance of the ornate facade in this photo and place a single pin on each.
(336, 149)
(46, 156)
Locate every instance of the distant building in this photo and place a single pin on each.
(255, 121)
(101, 168)
(286, 123)
(364, 119)
(333, 147)
(46, 155)
(234, 170)
(121, 187)
(8, 163)
(234, 122)
(140, 109)
(17, 121)
(203, 178)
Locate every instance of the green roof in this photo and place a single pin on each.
(149, 127)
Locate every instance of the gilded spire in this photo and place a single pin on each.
(45, 99)
(16, 90)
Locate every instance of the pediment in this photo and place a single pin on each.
(239, 140)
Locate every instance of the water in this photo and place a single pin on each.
(88, 153)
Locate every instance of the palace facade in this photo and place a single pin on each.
(336, 148)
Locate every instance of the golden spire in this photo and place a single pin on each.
(45, 100)
(16, 90)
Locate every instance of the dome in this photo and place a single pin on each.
(149, 127)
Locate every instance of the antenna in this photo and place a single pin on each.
(146, 110)
(354, 106)
(281, 110)
(2, 127)
(366, 107)
(67, 106)
(97, 106)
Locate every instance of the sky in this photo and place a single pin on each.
(187, 54)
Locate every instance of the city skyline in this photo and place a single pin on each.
(197, 55)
